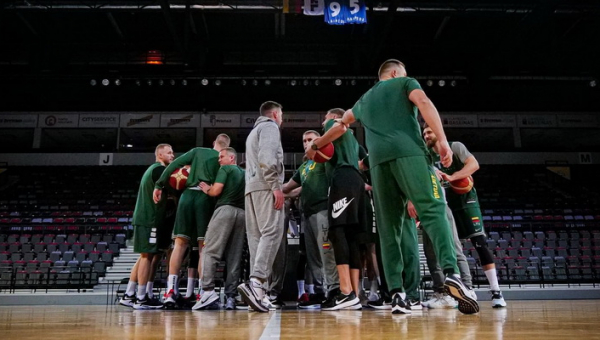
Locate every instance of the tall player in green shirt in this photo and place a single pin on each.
(401, 171)
(195, 207)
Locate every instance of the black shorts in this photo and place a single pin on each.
(346, 205)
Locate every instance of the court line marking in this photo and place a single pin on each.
(273, 328)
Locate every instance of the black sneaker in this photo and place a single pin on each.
(147, 303)
(414, 304)
(457, 289)
(380, 304)
(186, 302)
(341, 301)
(127, 300)
(399, 306)
(314, 302)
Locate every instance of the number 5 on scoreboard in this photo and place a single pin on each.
(355, 6)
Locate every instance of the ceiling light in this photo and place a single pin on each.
(218, 82)
(338, 82)
(305, 82)
(93, 82)
(118, 82)
(204, 82)
(172, 82)
(184, 82)
(293, 82)
(105, 82)
(267, 82)
(453, 83)
(593, 83)
(430, 82)
(442, 82)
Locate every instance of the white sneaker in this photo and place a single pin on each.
(208, 298)
(471, 293)
(230, 304)
(440, 300)
(267, 303)
(497, 299)
(457, 289)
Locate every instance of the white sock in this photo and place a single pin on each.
(311, 288)
(150, 288)
(141, 292)
(131, 288)
(492, 279)
(191, 286)
(173, 283)
(300, 284)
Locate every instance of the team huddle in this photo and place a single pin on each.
(403, 177)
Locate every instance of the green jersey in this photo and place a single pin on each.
(459, 156)
(390, 120)
(204, 167)
(313, 179)
(233, 179)
(146, 213)
(345, 151)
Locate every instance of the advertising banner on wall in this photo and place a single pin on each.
(18, 120)
(140, 120)
(58, 120)
(227, 120)
(182, 120)
(496, 121)
(577, 121)
(99, 120)
(459, 120)
(538, 121)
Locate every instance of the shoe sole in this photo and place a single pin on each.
(466, 304)
(343, 304)
(207, 303)
(142, 307)
(384, 307)
(315, 306)
(248, 297)
(400, 310)
(499, 305)
(357, 306)
(416, 307)
(126, 304)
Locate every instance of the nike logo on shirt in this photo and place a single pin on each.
(339, 207)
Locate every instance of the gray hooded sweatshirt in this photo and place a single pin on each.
(264, 157)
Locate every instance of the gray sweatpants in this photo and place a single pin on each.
(264, 227)
(461, 260)
(225, 234)
(279, 267)
(320, 258)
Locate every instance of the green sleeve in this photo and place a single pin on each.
(177, 163)
(157, 172)
(221, 176)
(411, 85)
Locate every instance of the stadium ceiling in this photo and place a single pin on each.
(488, 45)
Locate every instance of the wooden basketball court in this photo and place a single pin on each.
(521, 320)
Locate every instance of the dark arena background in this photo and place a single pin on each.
(88, 89)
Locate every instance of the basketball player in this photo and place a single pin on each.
(465, 207)
(148, 223)
(264, 202)
(195, 207)
(226, 230)
(320, 258)
(346, 213)
(400, 170)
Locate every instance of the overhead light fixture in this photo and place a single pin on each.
(267, 82)
(129, 145)
(138, 82)
(218, 82)
(317, 82)
(172, 82)
(293, 82)
(161, 82)
(204, 82)
(255, 82)
(244, 82)
(305, 82)
(453, 83)
(429, 82)
(118, 82)
(353, 82)
(105, 82)
(338, 82)
(155, 57)
(149, 82)
(593, 83)
(93, 82)
(442, 83)
(184, 82)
